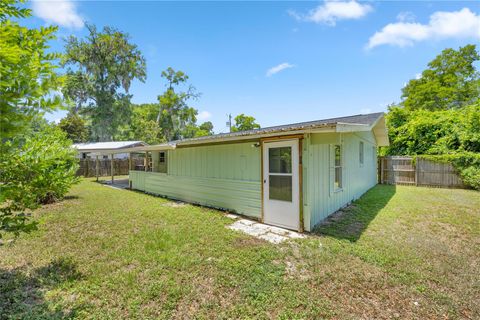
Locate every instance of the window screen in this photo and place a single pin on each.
(338, 167)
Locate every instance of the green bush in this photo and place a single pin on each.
(37, 169)
(433, 132)
(471, 177)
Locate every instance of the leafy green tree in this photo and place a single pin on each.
(77, 90)
(100, 71)
(205, 129)
(190, 131)
(175, 116)
(243, 122)
(194, 131)
(143, 125)
(450, 81)
(74, 126)
(37, 164)
(40, 171)
(28, 72)
(439, 117)
(422, 132)
(9, 8)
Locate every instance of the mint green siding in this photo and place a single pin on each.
(238, 161)
(319, 197)
(228, 176)
(158, 166)
(223, 176)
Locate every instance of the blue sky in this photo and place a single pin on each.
(281, 62)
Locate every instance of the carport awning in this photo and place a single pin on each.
(142, 149)
(113, 147)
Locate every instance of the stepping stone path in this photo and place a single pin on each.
(262, 231)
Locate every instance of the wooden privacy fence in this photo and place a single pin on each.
(403, 170)
(120, 167)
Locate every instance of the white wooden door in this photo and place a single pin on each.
(281, 184)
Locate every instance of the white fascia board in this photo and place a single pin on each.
(352, 127)
(128, 150)
(253, 137)
(157, 147)
(380, 132)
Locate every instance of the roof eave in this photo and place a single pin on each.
(380, 131)
(326, 128)
(106, 150)
(378, 127)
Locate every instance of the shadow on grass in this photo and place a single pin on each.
(71, 197)
(22, 291)
(349, 223)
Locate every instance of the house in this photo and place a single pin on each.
(292, 176)
(104, 149)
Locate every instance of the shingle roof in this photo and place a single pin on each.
(364, 122)
(361, 119)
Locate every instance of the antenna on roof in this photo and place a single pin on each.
(229, 122)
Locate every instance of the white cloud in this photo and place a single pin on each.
(61, 12)
(406, 16)
(204, 115)
(332, 11)
(277, 69)
(456, 24)
(418, 76)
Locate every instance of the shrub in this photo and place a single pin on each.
(433, 132)
(471, 177)
(34, 170)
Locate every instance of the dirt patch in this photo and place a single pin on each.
(247, 242)
(174, 204)
(354, 228)
(338, 216)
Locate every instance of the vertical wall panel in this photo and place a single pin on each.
(238, 161)
(357, 179)
(222, 176)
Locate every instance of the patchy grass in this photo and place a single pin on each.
(399, 252)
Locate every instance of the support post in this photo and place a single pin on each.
(382, 170)
(145, 162)
(129, 169)
(97, 166)
(416, 171)
(112, 167)
(301, 225)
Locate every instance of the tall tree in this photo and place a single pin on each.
(175, 115)
(243, 122)
(143, 125)
(100, 71)
(450, 81)
(206, 129)
(194, 131)
(37, 164)
(74, 126)
(28, 77)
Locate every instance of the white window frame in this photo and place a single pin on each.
(160, 157)
(335, 167)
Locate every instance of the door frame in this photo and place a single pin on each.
(300, 138)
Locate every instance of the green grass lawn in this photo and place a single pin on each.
(103, 253)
